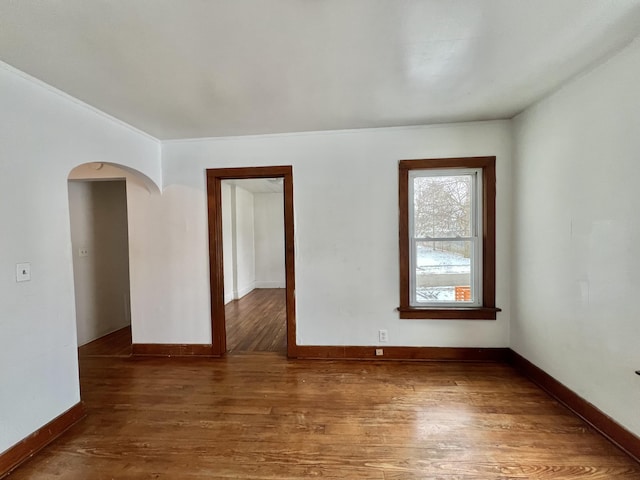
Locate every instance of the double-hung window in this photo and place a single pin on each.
(447, 238)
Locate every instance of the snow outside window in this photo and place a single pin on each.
(445, 237)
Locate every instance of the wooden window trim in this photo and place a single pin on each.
(488, 309)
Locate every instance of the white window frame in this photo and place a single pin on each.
(475, 238)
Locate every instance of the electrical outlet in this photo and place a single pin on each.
(383, 335)
(379, 352)
(23, 272)
(83, 252)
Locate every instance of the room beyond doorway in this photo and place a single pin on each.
(253, 251)
(100, 253)
(114, 344)
(215, 177)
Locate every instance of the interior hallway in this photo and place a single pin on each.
(114, 344)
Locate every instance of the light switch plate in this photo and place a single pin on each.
(23, 272)
(383, 335)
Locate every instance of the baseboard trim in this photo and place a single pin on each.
(238, 294)
(260, 284)
(440, 354)
(172, 350)
(605, 425)
(29, 446)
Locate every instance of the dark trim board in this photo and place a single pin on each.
(172, 350)
(215, 176)
(440, 354)
(330, 352)
(25, 449)
(605, 425)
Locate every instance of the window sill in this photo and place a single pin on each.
(472, 313)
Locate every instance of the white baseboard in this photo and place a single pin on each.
(270, 285)
(228, 298)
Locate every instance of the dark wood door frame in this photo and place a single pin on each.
(216, 265)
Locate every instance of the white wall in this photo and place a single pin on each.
(576, 270)
(43, 135)
(253, 240)
(98, 212)
(346, 238)
(245, 271)
(269, 239)
(162, 297)
(228, 244)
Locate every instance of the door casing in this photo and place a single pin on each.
(216, 264)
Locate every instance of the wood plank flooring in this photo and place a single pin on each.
(257, 322)
(117, 343)
(261, 416)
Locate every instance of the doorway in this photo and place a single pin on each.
(215, 177)
(254, 267)
(99, 238)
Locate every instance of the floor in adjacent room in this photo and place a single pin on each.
(257, 322)
(115, 344)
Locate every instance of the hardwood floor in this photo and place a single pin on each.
(261, 416)
(117, 343)
(257, 322)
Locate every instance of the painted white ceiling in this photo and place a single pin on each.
(197, 68)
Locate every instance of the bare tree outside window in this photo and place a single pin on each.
(442, 233)
(442, 208)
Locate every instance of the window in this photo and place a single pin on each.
(447, 238)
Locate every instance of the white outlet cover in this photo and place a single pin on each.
(23, 272)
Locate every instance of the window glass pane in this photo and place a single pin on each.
(443, 271)
(442, 206)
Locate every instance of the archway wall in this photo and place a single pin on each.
(163, 301)
(44, 134)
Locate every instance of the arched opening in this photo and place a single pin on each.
(99, 220)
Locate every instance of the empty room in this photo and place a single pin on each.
(355, 239)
